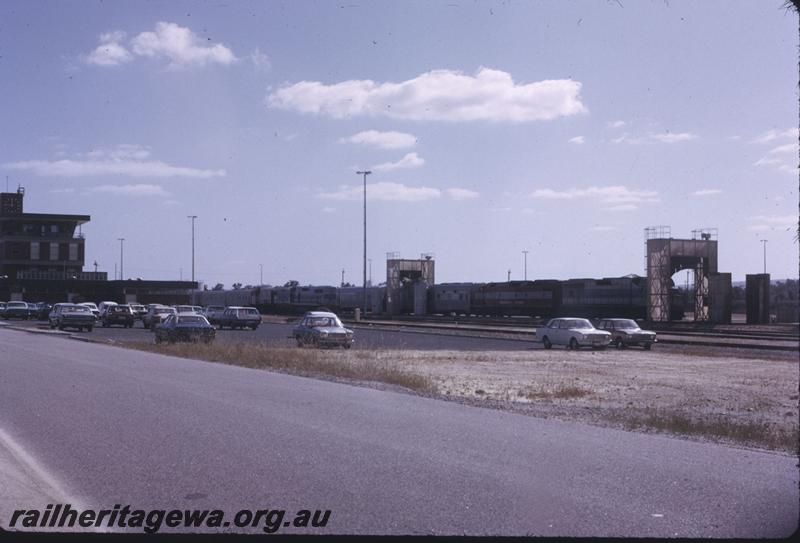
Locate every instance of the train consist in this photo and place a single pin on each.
(608, 297)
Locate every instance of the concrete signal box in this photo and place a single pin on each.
(407, 282)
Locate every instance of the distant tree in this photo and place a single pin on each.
(248, 286)
(236, 286)
(291, 283)
(219, 286)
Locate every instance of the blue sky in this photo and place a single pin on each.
(561, 128)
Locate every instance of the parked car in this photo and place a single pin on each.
(572, 333)
(213, 313)
(139, 310)
(2, 309)
(16, 310)
(186, 309)
(626, 333)
(118, 314)
(321, 328)
(93, 308)
(43, 311)
(103, 307)
(156, 315)
(185, 327)
(71, 316)
(239, 317)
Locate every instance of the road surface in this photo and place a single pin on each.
(114, 426)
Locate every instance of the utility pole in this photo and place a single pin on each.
(526, 264)
(193, 217)
(764, 241)
(370, 271)
(121, 259)
(95, 266)
(509, 276)
(365, 173)
(342, 276)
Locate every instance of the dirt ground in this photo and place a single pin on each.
(748, 401)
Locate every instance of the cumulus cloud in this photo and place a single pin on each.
(110, 52)
(382, 140)
(706, 192)
(580, 140)
(395, 192)
(177, 44)
(411, 160)
(123, 160)
(131, 190)
(616, 124)
(438, 95)
(614, 194)
(622, 207)
(772, 135)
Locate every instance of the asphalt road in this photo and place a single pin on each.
(114, 426)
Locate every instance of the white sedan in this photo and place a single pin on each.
(572, 333)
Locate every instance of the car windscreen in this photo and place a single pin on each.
(16, 304)
(251, 312)
(625, 325)
(191, 319)
(163, 310)
(580, 324)
(77, 309)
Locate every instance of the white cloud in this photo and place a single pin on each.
(762, 223)
(382, 140)
(614, 194)
(461, 194)
(110, 52)
(411, 160)
(438, 95)
(132, 190)
(771, 135)
(673, 138)
(706, 192)
(616, 124)
(180, 46)
(666, 137)
(580, 140)
(395, 192)
(260, 60)
(62, 191)
(789, 148)
(622, 207)
(124, 160)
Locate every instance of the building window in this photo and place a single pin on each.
(54, 229)
(35, 250)
(73, 251)
(54, 251)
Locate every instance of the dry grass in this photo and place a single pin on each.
(748, 432)
(558, 392)
(358, 366)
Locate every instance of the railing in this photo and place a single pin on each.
(60, 276)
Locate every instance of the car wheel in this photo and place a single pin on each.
(573, 344)
(647, 346)
(546, 342)
(89, 328)
(300, 342)
(348, 345)
(61, 327)
(80, 328)
(619, 344)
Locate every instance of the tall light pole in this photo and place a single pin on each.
(365, 173)
(342, 276)
(370, 271)
(121, 266)
(764, 241)
(193, 217)
(509, 276)
(526, 264)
